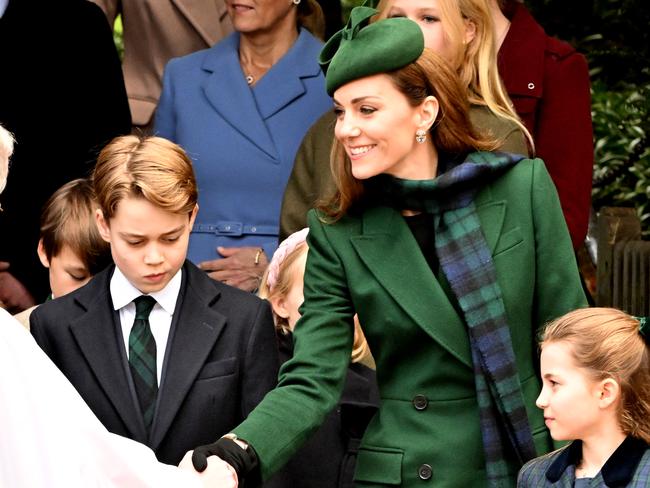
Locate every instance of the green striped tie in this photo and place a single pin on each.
(142, 358)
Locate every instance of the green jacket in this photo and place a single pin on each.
(371, 264)
(311, 178)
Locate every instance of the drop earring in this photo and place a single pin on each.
(421, 136)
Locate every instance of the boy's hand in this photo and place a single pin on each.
(219, 474)
(13, 294)
(241, 267)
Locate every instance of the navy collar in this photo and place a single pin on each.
(617, 471)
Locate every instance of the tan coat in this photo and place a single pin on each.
(156, 31)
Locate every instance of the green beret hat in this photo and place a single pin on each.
(361, 49)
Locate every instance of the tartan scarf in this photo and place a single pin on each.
(466, 262)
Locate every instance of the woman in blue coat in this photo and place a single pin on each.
(240, 109)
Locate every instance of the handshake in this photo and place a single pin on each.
(221, 464)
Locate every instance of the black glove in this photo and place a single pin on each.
(244, 461)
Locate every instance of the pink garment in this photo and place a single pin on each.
(285, 248)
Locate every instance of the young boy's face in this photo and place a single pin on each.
(148, 244)
(67, 270)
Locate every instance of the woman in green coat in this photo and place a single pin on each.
(453, 257)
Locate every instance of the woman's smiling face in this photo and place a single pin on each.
(376, 125)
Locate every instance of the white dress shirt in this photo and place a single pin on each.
(3, 6)
(160, 320)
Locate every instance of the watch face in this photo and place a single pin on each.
(236, 440)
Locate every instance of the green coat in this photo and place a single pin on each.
(372, 264)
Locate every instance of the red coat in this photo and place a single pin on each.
(548, 82)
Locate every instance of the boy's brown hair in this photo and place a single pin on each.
(152, 168)
(68, 219)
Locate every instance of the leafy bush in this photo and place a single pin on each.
(621, 120)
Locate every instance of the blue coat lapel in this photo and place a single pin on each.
(301, 61)
(247, 110)
(196, 327)
(227, 91)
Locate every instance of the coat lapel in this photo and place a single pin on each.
(226, 90)
(204, 16)
(196, 327)
(390, 251)
(298, 63)
(97, 337)
(491, 214)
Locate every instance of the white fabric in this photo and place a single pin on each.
(160, 320)
(3, 6)
(50, 438)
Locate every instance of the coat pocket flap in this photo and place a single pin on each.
(379, 465)
(214, 369)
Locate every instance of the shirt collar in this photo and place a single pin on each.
(123, 292)
(3, 7)
(617, 471)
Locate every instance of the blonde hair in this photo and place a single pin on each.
(608, 343)
(285, 280)
(68, 219)
(6, 150)
(152, 168)
(476, 60)
(452, 131)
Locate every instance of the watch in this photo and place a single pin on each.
(233, 437)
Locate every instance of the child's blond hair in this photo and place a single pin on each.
(68, 219)
(608, 343)
(283, 267)
(152, 168)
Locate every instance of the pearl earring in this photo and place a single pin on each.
(296, 2)
(421, 136)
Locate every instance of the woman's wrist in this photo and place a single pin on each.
(258, 254)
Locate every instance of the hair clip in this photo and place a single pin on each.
(644, 328)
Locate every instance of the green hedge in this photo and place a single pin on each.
(621, 122)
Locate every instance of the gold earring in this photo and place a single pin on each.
(421, 136)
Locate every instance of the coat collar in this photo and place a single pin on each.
(617, 471)
(523, 48)
(385, 233)
(280, 86)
